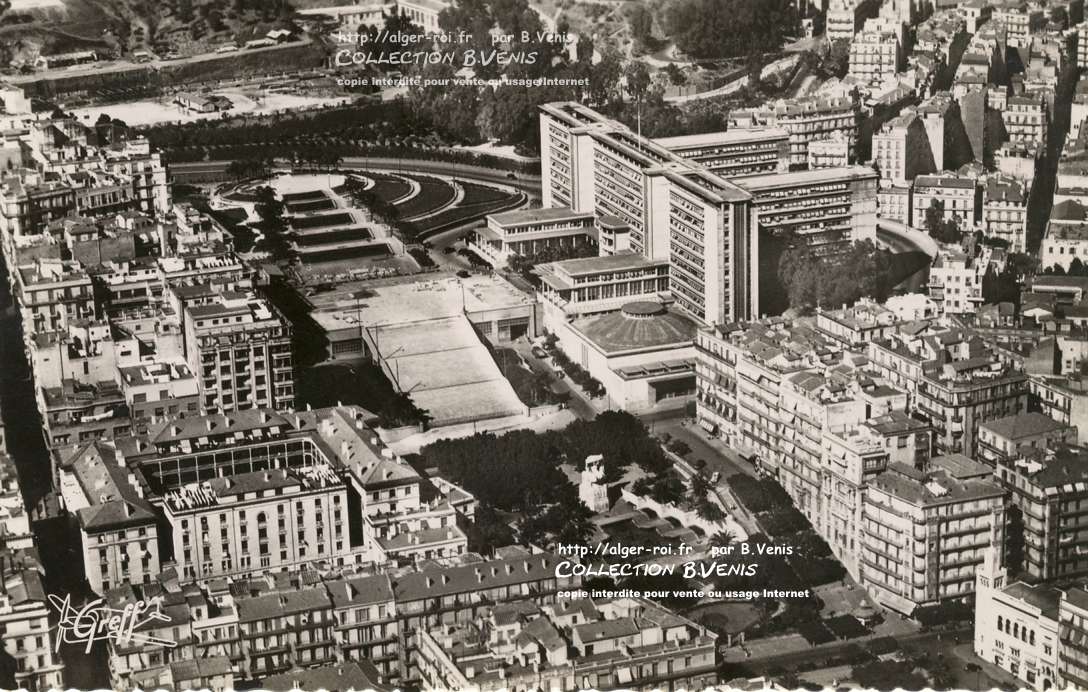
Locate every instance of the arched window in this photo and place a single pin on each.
(1000, 623)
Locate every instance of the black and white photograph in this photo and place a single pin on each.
(543, 345)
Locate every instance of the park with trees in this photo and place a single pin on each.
(810, 279)
(519, 473)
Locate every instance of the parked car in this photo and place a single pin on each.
(449, 250)
(511, 176)
(716, 477)
(463, 274)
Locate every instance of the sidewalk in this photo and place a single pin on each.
(989, 677)
(718, 455)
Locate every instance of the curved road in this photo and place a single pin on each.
(900, 238)
(905, 238)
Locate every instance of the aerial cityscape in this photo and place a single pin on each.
(543, 344)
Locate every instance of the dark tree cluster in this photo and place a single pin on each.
(940, 229)
(729, 28)
(519, 469)
(834, 280)
(668, 489)
(368, 122)
(552, 253)
(504, 112)
(1076, 268)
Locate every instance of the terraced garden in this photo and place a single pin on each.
(305, 222)
(307, 206)
(463, 213)
(340, 235)
(340, 254)
(433, 195)
(481, 194)
(388, 187)
(309, 196)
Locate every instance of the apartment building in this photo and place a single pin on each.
(831, 152)
(853, 456)
(844, 18)
(856, 326)
(29, 202)
(739, 374)
(348, 675)
(901, 150)
(673, 208)
(734, 153)
(1005, 212)
(875, 56)
(76, 412)
(52, 294)
(1016, 626)
(117, 524)
(1004, 438)
(365, 613)
(1082, 45)
(1048, 487)
(825, 208)
(258, 519)
(1063, 399)
(27, 638)
(631, 643)
(1018, 160)
(957, 196)
(805, 120)
(1062, 243)
(926, 532)
(708, 229)
(88, 352)
(529, 232)
(894, 202)
(157, 390)
(960, 395)
(954, 382)
(14, 520)
(240, 346)
(940, 115)
(283, 630)
(431, 597)
(1026, 119)
(1073, 628)
(1020, 21)
(305, 625)
(775, 393)
(955, 282)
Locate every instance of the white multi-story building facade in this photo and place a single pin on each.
(1016, 625)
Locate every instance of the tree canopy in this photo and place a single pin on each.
(834, 280)
(730, 28)
(940, 229)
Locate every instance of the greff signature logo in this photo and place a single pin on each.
(95, 621)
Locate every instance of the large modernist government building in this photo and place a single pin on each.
(671, 204)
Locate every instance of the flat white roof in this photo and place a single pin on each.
(416, 300)
(522, 217)
(736, 136)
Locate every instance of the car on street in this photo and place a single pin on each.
(716, 477)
